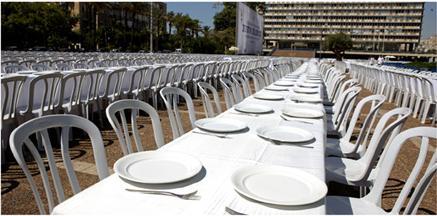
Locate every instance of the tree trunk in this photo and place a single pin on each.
(338, 55)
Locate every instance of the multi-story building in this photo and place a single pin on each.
(104, 17)
(373, 26)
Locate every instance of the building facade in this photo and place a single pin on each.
(373, 26)
(103, 20)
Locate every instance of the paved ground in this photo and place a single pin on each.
(17, 197)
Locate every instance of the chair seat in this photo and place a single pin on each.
(343, 170)
(328, 103)
(329, 109)
(339, 148)
(351, 206)
(332, 132)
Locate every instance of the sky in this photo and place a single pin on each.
(429, 20)
(205, 11)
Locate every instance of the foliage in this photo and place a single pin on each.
(33, 24)
(427, 65)
(338, 43)
(26, 25)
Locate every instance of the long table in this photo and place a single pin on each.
(220, 158)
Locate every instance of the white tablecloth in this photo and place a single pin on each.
(220, 158)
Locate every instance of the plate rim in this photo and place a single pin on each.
(196, 123)
(258, 132)
(117, 163)
(263, 112)
(279, 97)
(305, 110)
(263, 168)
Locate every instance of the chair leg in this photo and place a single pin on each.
(434, 119)
(155, 100)
(425, 111)
(416, 107)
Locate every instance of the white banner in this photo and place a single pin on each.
(249, 30)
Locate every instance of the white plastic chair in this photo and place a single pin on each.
(210, 110)
(422, 186)
(230, 92)
(113, 86)
(358, 172)
(343, 147)
(69, 99)
(119, 109)
(171, 95)
(138, 82)
(336, 123)
(50, 83)
(10, 93)
(370, 204)
(20, 137)
(91, 98)
(238, 80)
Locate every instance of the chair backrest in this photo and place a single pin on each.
(114, 82)
(344, 106)
(51, 84)
(40, 67)
(385, 165)
(119, 109)
(171, 96)
(376, 102)
(138, 81)
(155, 74)
(230, 93)
(422, 186)
(14, 68)
(73, 94)
(21, 136)
(345, 85)
(11, 90)
(238, 80)
(384, 133)
(210, 110)
(91, 82)
(250, 76)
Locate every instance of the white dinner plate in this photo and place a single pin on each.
(278, 185)
(312, 77)
(253, 108)
(292, 76)
(220, 125)
(284, 83)
(153, 167)
(313, 81)
(285, 134)
(306, 99)
(288, 79)
(306, 90)
(302, 113)
(307, 85)
(275, 88)
(266, 96)
(27, 72)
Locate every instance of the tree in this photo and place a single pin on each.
(338, 43)
(30, 24)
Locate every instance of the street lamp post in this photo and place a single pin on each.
(151, 28)
(320, 44)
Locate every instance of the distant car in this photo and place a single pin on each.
(39, 48)
(11, 48)
(179, 50)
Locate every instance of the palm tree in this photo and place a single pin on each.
(170, 19)
(205, 30)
